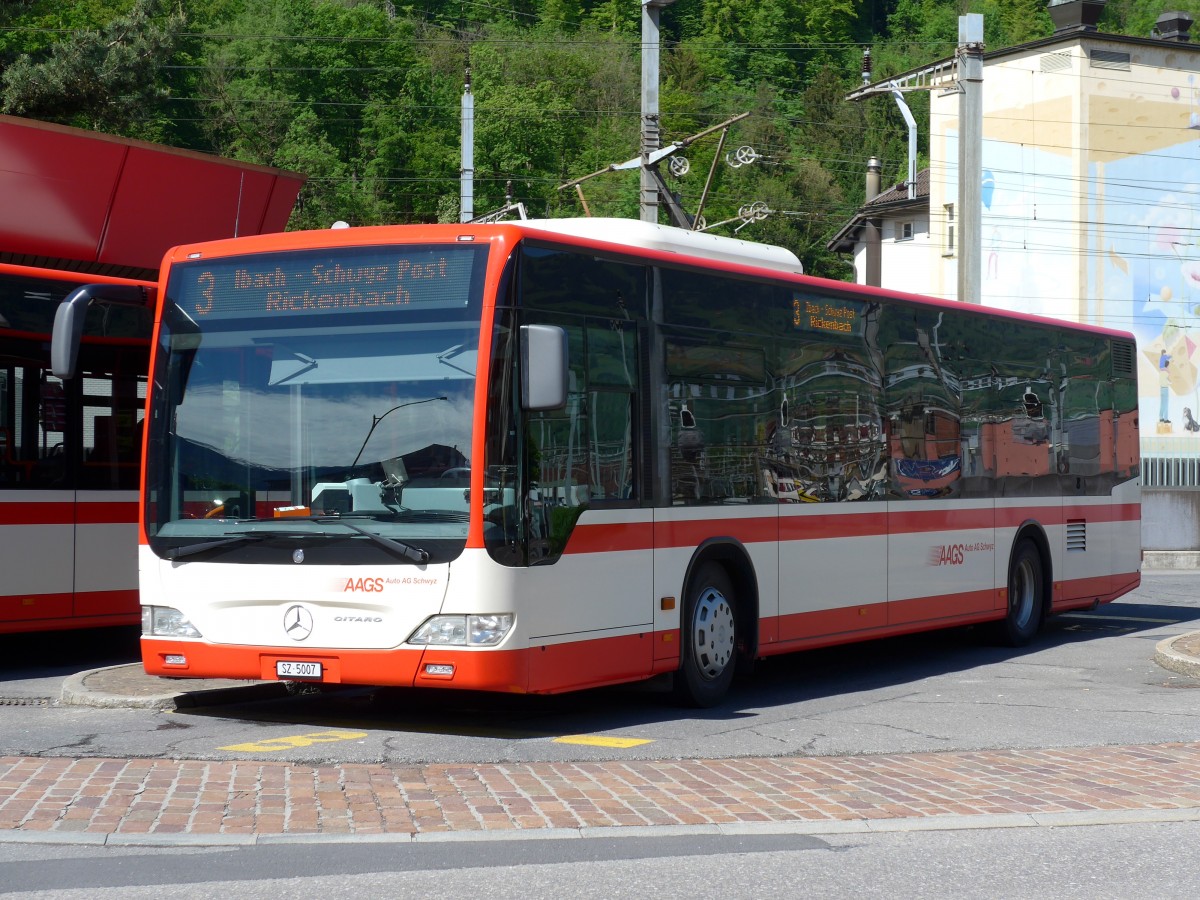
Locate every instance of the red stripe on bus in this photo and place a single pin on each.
(1013, 517)
(922, 520)
(608, 538)
(53, 513)
(108, 603)
(106, 513)
(62, 513)
(770, 526)
(818, 527)
(27, 607)
(1119, 512)
(85, 609)
(693, 533)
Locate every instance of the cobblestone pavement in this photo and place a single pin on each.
(148, 797)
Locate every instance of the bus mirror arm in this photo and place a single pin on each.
(71, 314)
(543, 367)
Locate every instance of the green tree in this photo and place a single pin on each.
(563, 14)
(290, 81)
(108, 79)
(34, 26)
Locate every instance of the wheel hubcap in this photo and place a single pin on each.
(1021, 597)
(713, 633)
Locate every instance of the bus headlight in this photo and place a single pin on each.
(462, 631)
(164, 621)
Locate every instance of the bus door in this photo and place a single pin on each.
(828, 469)
(590, 548)
(1087, 470)
(111, 401)
(37, 534)
(941, 532)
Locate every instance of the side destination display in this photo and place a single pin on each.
(826, 315)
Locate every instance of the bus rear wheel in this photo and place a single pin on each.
(1026, 595)
(710, 636)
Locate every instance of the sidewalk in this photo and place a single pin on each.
(155, 801)
(146, 801)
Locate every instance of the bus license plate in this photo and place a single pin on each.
(303, 670)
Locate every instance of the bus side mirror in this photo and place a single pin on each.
(543, 367)
(71, 314)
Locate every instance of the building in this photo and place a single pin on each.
(898, 225)
(1090, 211)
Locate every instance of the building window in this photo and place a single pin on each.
(949, 251)
(904, 231)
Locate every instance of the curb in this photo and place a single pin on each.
(1167, 656)
(813, 828)
(1171, 560)
(75, 692)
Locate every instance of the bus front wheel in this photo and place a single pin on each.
(1026, 595)
(709, 646)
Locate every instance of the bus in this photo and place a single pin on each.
(69, 456)
(553, 455)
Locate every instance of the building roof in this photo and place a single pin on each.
(942, 71)
(889, 203)
(90, 202)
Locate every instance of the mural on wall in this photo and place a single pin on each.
(1141, 255)
(1026, 197)
(1144, 271)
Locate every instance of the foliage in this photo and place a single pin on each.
(106, 79)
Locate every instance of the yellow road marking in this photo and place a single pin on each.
(599, 740)
(269, 745)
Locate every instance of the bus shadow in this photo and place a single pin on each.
(875, 665)
(49, 654)
(776, 682)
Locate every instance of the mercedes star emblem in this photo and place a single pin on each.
(297, 622)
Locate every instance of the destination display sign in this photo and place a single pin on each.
(827, 314)
(307, 283)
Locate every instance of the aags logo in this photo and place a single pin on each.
(947, 555)
(365, 585)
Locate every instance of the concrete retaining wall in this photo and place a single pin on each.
(1171, 519)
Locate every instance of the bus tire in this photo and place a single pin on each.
(1026, 595)
(710, 638)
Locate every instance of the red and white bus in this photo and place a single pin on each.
(69, 456)
(552, 455)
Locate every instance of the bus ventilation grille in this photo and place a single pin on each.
(1122, 359)
(1076, 535)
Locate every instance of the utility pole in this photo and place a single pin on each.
(963, 75)
(466, 183)
(872, 239)
(970, 157)
(651, 140)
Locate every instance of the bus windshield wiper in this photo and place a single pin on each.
(190, 549)
(408, 551)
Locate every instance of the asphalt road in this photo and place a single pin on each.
(1090, 679)
(1093, 863)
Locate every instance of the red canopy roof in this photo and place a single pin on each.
(80, 200)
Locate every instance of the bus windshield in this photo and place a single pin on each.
(316, 399)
